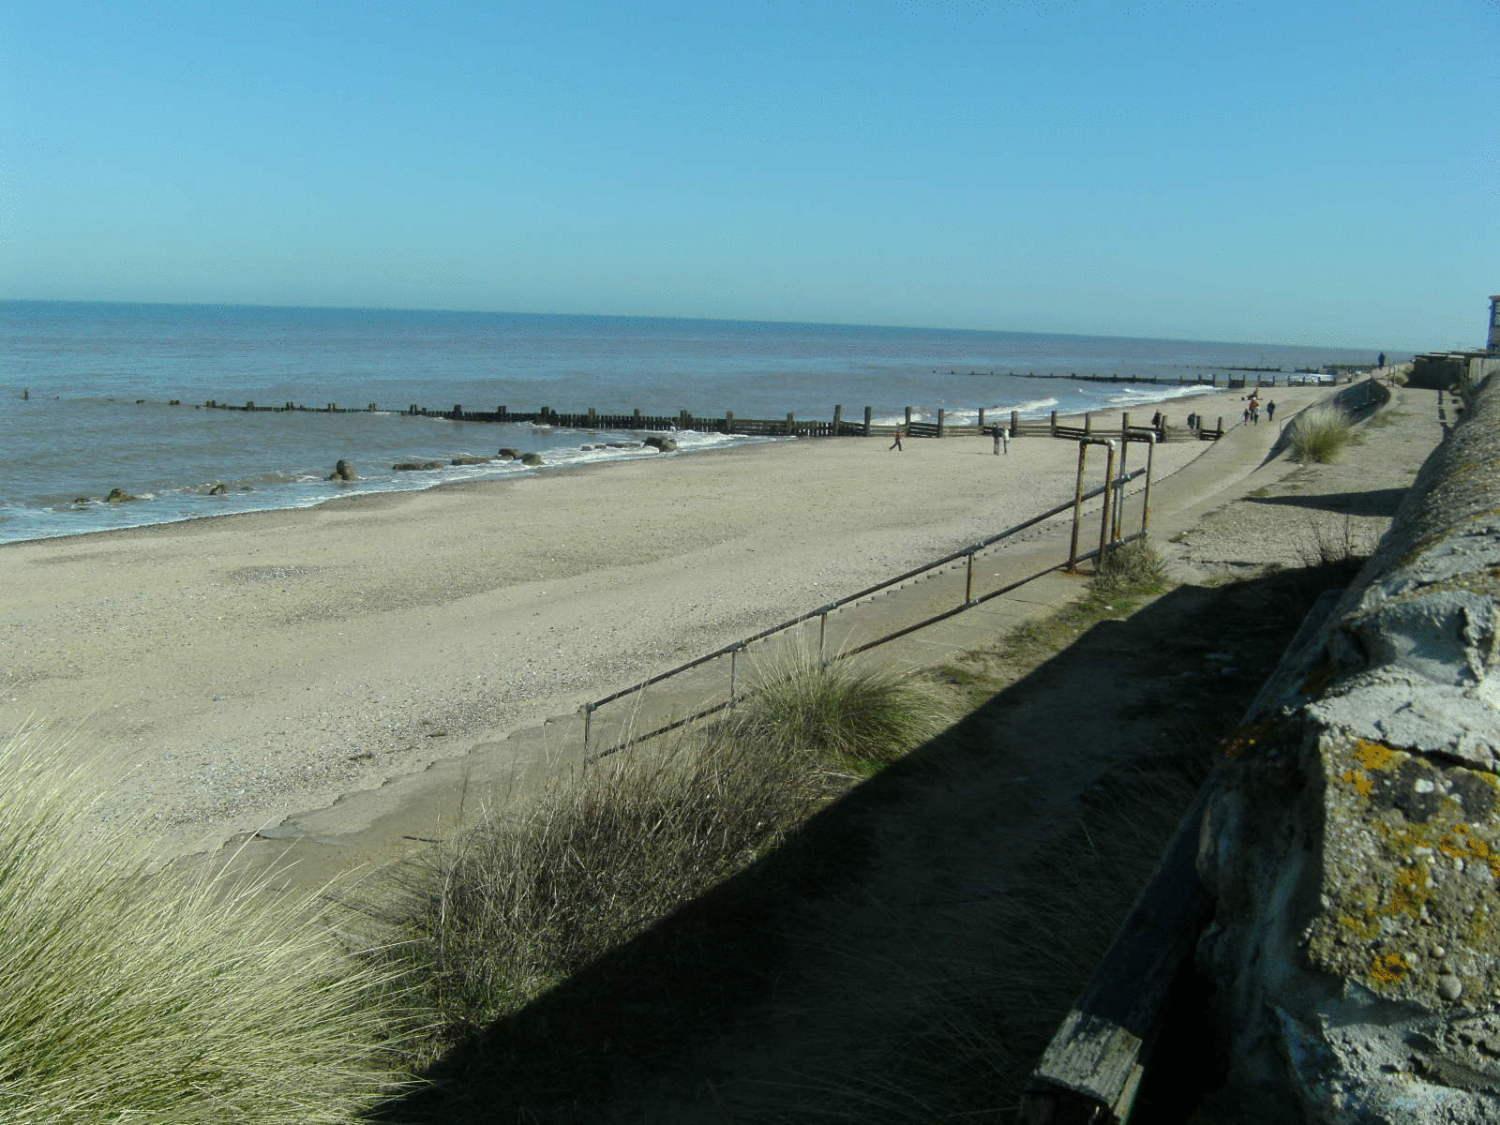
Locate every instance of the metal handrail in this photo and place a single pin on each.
(738, 646)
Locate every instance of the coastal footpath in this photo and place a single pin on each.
(1353, 842)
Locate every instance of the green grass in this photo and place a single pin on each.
(845, 710)
(1319, 434)
(135, 994)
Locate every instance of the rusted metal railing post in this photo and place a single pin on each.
(1119, 507)
(1146, 501)
(733, 669)
(1083, 454)
(1108, 509)
(969, 581)
(822, 639)
(588, 723)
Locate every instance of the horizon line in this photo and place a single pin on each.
(670, 317)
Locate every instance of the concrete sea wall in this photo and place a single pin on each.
(1352, 843)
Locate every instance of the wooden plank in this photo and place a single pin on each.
(1092, 1069)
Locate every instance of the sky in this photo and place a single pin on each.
(1320, 173)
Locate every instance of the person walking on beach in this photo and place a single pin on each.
(1002, 437)
(1270, 411)
(896, 445)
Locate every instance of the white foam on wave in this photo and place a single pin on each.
(308, 490)
(1144, 396)
(961, 416)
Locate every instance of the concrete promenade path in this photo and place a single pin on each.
(368, 828)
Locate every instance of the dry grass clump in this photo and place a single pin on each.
(847, 711)
(532, 896)
(1334, 543)
(1318, 435)
(1131, 568)
(524, 900)
(135, 994)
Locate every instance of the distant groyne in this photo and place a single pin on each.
(1071, 427)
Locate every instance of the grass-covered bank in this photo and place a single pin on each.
(904, 952)
(540, 891)
(132, 993)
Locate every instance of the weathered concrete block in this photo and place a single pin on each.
(1353, 843)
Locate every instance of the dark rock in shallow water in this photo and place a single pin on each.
(467, 459)
(508, 453)
(119, 496)
(661, 444)
(217, 489)
(343, 471)
(81, 500)
(531, 459)
(415, 466)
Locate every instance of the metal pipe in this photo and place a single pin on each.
(1108, 509)
(1118, 515)
(969, 582)
(1083, 453)
(588, 723)
(1146, 501)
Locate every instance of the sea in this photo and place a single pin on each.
(85, 391)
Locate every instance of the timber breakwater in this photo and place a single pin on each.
(913, 423)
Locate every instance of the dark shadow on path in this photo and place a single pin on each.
(1376, 502)
(786, 994)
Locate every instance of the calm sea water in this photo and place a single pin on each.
(82, 433)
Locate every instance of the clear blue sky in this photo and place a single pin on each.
(1282, 171)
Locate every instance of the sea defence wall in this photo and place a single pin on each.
(1352, 843)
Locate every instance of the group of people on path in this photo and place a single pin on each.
(1252, 410)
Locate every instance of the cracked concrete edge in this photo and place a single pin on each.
(1353, 841)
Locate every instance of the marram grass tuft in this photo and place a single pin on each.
(132, 993)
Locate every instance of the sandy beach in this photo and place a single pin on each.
(228, 672)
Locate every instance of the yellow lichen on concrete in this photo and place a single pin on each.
(1412, 890)
(1388, 968)
(1359, 781)
(1461, 842)
(1377, 755)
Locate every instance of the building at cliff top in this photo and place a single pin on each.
(1441, 370)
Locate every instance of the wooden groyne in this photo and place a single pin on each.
(1264, 377)
(1071, 428)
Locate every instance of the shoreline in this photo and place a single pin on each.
(749, 441)
(230, 673)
